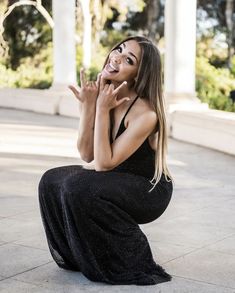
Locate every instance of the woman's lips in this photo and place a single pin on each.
(110, 68)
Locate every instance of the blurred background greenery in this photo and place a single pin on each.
(26, 42)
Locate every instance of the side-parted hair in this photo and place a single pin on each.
(148, 85)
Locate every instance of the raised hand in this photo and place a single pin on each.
(88, 91)
(108, 95)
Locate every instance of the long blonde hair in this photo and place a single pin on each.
(148, 85)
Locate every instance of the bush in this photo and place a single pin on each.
(33, 72)
(213, 85)
(233, 66)
(37, 71)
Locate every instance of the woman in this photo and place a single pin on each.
(91, 213)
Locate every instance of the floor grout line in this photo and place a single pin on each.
(28, 246)
(31, 269)
(204, 282)
(200, 248)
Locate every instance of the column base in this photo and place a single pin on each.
(184, 101)
(68, 104)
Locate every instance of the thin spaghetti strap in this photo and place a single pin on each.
(129, 108)
(123, 119)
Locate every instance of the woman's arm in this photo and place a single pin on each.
(107, 156)
(87, 97)
(85, 141)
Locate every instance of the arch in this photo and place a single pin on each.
(37, 4)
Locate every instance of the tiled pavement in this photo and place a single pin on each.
(194, 239)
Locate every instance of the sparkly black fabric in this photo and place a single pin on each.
(91, 218)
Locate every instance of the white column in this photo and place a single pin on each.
(180, 51)
(64, 47)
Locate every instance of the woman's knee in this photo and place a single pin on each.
(47, 181)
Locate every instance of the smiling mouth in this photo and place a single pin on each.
(110, 68)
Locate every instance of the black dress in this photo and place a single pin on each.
(91, 218)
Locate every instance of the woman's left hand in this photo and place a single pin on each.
(107, 98)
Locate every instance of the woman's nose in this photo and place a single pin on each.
(116, 59)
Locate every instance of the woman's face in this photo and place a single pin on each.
(123, 62)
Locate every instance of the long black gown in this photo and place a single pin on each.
(91, 218)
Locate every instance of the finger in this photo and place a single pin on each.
(97, 82)
(119, 102)
(82, 77)
(120, 87)
(75, 91)
(106, 87)
(111, 87)
(102, 83)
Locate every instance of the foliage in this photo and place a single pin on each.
(215, 18)
(215, 51)
(26, 32)
(37, 72)
(112, 37)
(98, 57)
(214, 85)
(32, 72)
(233, 66)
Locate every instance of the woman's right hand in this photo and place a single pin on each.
(89, 89)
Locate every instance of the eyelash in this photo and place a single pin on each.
(129, 60)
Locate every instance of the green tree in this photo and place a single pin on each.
(26, 31)
(220, 14)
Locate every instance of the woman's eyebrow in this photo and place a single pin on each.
(124, 45)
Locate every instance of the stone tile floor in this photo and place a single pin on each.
(194, 239)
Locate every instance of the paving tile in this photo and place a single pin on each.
(37, 241)
(17, 259)
(18, 182)
(53, 279)
(32, 215)
(201, 213)
(14, 229)
(182, 285)
(193, 181)
(11, 205)
(186, 202)
(215, 216)
(182, 231)
(226, 245)
(164, 252)
(51, 273)
(13, 286)
(206, 266)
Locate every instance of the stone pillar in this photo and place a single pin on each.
(64, 47)
(180, 51)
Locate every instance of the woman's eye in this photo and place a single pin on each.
(119, 49)
(130, 61)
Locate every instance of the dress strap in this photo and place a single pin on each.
(130, 108)
(121, 126)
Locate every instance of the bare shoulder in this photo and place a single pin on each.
(142, 112)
